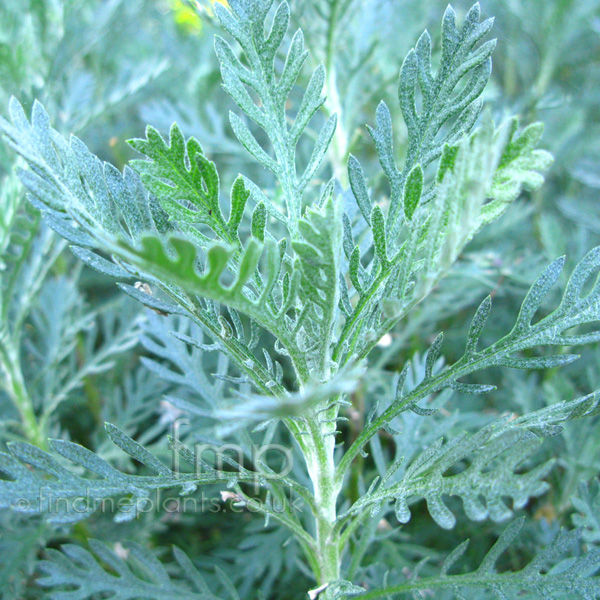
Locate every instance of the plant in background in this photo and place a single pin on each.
(55, 338)
(272, 307)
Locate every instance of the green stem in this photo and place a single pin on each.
(321, 468)
(14, 385)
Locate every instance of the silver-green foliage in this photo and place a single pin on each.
(567, 579)
(146, 578)
(320, 284)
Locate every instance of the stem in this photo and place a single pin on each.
(321, 468)
(285, 518)
(333, 105)
(14, 385)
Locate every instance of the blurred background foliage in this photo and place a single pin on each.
(104, 69)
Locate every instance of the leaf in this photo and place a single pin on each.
(548, 421)
(177, 262)
(481, 486)
(359, 187)
(587, 516)
(541, 577)
(79, 195)
(95, 261)
(259, 222)
(379, 238)
(444, 103)
(150, 301)
(184, 181)
(319, 152)
(383, 137)
(521, 167)
(63, 497)
(247, 139)
(317, 258)
(573, 310)
(433, 354)
(270, 86)
(494, 470)
(239, 197)
(180, 355)
(99, 570)
(421, 255)
(412, 191)
(477, 325)
(68, 184)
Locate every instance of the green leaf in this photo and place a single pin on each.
(259, 222)
(239, 197)
(358, 185)
(431, 242)
(185, 182)
(412, 191)
(87, 573)
(587, 515)
(318, 259)
(88, 213)
(379, 238)
(271, 86)
(541, 577)
(444, 103)
(521, 167)
(177, 260)
(247, 139)
(68, 498)
(494, 471)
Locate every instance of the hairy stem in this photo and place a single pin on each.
(321, 468)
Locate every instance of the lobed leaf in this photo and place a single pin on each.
(99, 570)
